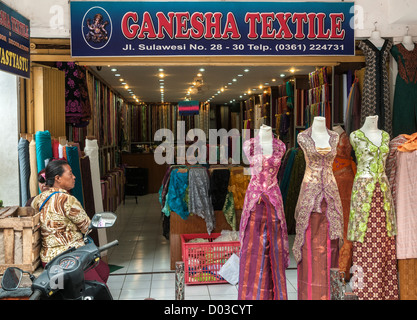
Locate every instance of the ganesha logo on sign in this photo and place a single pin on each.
(96, 27)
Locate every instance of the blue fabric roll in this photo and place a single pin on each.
(24, 169)
(74, 162)
(43, 148)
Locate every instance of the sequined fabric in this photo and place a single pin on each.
(264, 171)
(318, 184)
(199, 200)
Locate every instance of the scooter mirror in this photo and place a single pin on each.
(11, 278)
(103, 220)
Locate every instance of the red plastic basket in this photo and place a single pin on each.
(203, 260)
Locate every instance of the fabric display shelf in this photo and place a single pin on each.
(94, 194)
(200, 199)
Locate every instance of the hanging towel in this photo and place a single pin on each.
(24, 168)
(43, 148)
(74, 162)
(33, 179)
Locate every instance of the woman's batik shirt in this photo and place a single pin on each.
(370, 170)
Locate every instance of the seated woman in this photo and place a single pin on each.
(62, 217)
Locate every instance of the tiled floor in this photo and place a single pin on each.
(144, 255)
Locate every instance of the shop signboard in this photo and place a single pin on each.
(209, 28)
(14, 42)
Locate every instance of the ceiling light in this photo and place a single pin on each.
(266, 83)
(161, 75)
(222, 89)
(282, 75)
(240, 75)
(229, 83)
(246, 70)
(199, 75)
(249, 92)
(273, 80)
(114, 70)
(261, 86)
(123, 83)
(202, 70)
(117, 75)
(160, 69)
(126, 87)
(240, 96)
(234, 80)
(292, 70)
(121, 79)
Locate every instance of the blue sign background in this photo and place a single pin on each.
(14, 58)
(110, 40)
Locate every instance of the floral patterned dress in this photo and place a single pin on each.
(372, 222)
(264, 254)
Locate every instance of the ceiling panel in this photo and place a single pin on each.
(144, 82)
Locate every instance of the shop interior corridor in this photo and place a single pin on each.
(143, 259)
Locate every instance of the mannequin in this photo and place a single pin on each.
(376, 39)
(265, 138)
(319, 133)
(371, 131)
(408, 43)
(338, 129)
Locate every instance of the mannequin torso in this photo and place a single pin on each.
(265, 139)
(376, 39)
(319, 133)
(371, 131)
(408, 43)
(338, 129)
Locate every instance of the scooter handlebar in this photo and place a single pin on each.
(108, 245)
(36, 295)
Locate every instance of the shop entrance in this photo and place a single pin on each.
(124, 117)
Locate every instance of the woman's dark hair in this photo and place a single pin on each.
(41, 176)
(52, 169)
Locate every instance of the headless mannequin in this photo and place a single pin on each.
(408, 43)
(371, 131)
(338, 129)
(376, 39)
(265, 139)
(319, 133)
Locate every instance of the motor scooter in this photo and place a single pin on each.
(63, 277)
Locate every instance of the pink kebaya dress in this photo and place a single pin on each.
(264, 252)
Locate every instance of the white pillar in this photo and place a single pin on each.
(9, 139)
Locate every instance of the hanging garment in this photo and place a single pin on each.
(88, 192)
(404, 114)
(353, 112)
(43, 148)
(178, 192)
(238, 184)
(375, 96)
(264, 254)
(391, 163)
(24, 170)
(410, 145)
(344, 170)
(318, 194)
(372, 220)
(77, 103)
(219, 182)
(74, 162)
(199, 200)
(295, 180)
